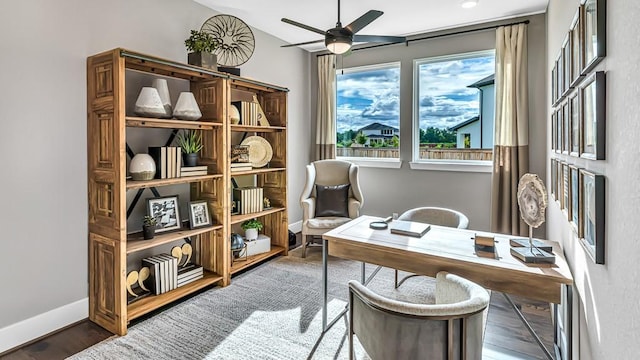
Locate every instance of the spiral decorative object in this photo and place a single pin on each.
(235, 39)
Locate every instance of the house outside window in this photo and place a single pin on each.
(454, 108)
(368, 112)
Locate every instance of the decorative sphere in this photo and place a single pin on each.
(236, 242)
(142, 167)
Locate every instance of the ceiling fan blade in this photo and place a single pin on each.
(306, 27)
(364, 20)
(379, 38)
(303, 43)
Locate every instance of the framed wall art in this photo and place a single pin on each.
(593, 214)
(560, 75)
(566, 121)
(554, 130)
(166, 212)
(554, 180)
(575, 34)
(554, 85)
(575, 218)
(592, 99)
(574, 124)
(559, 182)
(199, 214)
(558, 130)
(566, 189)
(594, 16)
(566, 56)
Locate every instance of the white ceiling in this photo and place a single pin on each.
(401, 17)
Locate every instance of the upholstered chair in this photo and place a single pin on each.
(434, 216)
(452, 328)
(330, 198)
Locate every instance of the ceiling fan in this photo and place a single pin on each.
(339, 39)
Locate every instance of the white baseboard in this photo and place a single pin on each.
(24, 331)
(296, 227)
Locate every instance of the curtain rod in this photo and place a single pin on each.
(438, 36)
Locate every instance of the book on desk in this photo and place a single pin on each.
(409, 228)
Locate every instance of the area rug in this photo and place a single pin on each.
(273, 311)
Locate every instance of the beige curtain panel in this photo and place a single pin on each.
(326, 114)
(511, 147)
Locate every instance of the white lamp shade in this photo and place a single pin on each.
(187, 107)
(339, 47)
(142, 167)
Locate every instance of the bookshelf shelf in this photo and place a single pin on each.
(255, 259)
(133, 121)
(131, 184)
(257, 171)
(135, 242)
(236, 219)
(259, 129)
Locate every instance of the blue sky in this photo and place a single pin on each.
(371, 96)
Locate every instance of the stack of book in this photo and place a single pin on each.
(240, 166)
(189, 273)
(163, 272)
(193, 170)
(250, 199)
(168, 161)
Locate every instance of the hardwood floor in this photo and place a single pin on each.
(506, 338)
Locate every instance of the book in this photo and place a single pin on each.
(154, 272)
(185, 169)
(159, 155)
(190, 280)
(194, 173)
(409, 228)
(239, 153)
(240, 164)
(243, 168)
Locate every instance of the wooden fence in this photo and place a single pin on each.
(425, 153)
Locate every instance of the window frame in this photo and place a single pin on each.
(372, 161)
(436, 164)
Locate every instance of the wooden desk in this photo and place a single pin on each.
(451, 250)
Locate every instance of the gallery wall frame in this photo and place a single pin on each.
(558, 138)
(566, 65)
(554, 130)
(593, 103)
(593, 215)
(574, 124)
(566, 120)
(566, 190)
(554, 179)
(575, 198)
(577, 47)
(594, 19)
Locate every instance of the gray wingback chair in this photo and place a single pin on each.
(328, 173)
(452, 328)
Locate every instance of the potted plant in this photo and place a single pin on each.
(148, 227)
(191, 143)
(201, 46)
(251, 228)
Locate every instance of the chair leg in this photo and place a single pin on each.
(304, 246)
(396, 279)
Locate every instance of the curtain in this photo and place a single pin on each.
(326, 114)
(511, 147)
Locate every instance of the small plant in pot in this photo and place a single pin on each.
(251, 228)
(191, 143)
(201, 46)
(148, 227)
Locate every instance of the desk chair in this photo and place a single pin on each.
(330, 198)
(434, 216)
(452, 328)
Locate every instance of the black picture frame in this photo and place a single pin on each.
(575, 219)
(554, 130)
(565, 127)
(166, 211)
(574, 124)
(199, 214)
(558, 130)
(566, 190)
(594, 18)
(554, 84)
(554, 179)
(593, 102)
(577, 54)
(560, 75)
(593, 215)
(566, 56)
(559, 182)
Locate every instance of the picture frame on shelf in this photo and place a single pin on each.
(199, 215)
(593, 215)
(576, 206)
(166, 211)
(566, 56)
(594, 16)
(592, 99)
(577, 54)
(574, 124)
(566, 134)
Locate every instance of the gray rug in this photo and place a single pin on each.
(271, 312)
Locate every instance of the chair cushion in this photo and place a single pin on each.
(327, 222)
(332, 200)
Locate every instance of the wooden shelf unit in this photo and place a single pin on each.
(110, 242)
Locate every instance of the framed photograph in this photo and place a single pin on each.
(560, 74)
(554, 180)
(199, 214)
(566, 188)
(558, 138)
(166, 211)
(554, 85)
(559, 182)
(566, 56)
(594, 17)
(593, 215)
(592, 99)
(574, 124)
(566, 127)
(575, 219)
(575, 34)
(554, 124)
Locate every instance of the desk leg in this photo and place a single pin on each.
(528, 326)
(325, 296)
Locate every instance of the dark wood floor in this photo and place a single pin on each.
(506, 337)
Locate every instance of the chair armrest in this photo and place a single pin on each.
(308, 208)
(354, 208)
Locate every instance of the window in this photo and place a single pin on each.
(454, 107)
(368, 112)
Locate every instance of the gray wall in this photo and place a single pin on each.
(608, 294)
(395, 190)
(44, 46)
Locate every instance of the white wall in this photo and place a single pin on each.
(396, 190)
(44, 46)
(608, 294)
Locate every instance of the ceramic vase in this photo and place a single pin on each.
(142, 167)
(149, 103)
(163, 91)
(251, 234)
(187, 107)
(234, 114)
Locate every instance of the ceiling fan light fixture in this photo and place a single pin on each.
(468, 4)
(338, 45)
